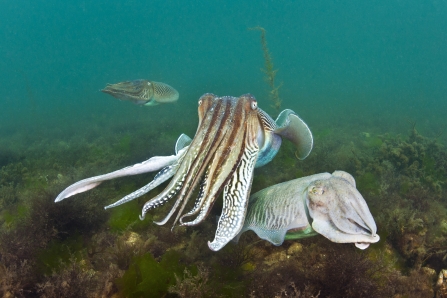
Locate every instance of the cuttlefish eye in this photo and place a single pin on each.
(206, 97)
(254, 105)
(315, 190)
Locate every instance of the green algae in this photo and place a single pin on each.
(59, 253)
(372, 142)
(405, 187)
(368, 182)
(148, 278)
(12, 217)
(124, 144)
(126, 217)
(322, 133)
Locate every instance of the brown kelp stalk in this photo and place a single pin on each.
(269, 71)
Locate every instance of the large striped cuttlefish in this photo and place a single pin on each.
(233, 137)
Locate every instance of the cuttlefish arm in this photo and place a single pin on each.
(339, 211)
(324, 204)
(236, 194)
(152, 164)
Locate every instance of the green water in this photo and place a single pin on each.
(372, 64)
(362, 74)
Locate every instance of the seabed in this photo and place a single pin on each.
(78, 249)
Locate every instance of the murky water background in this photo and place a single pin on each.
(372, 64)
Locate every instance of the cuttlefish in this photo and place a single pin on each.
(142, 92)
(233, 137)
(326, 204)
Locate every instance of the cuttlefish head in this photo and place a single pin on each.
(220, 158)
(138, 91)
(339, 211)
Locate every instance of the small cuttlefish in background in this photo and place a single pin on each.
(142, 92)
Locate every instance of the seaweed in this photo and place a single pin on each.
(124, 248)
(74, 280)
(17, 279)
(269, 71)
(368, 182)
(75, 248)
(125, 217)
(194, 285)
(57, 254)
(124, 144)
(147, 277)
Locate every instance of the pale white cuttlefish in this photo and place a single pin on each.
(233, 137)
(142, 92)
(326, 204)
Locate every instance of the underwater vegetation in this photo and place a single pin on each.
(407, 179)
(146, 276)
(269, 71)
(78, 249)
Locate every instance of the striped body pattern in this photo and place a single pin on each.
(222, 156)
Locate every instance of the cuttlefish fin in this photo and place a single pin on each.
(236, 193)
(293, 128)
(182, 141)
(275, 237)
(152, 164)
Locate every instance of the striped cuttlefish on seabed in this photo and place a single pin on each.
(142, 92)
(233, 137)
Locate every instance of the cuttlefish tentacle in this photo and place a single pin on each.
(199, 200)
(222, 168)
(236, 194)
(223, 165)
(162, 176)
(214, 134)
(152, 164)
(216, 154)
(190, 167)
(181, 147)
(219, 156)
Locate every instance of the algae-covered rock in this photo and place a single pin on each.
(295, 249)
(275, 257)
